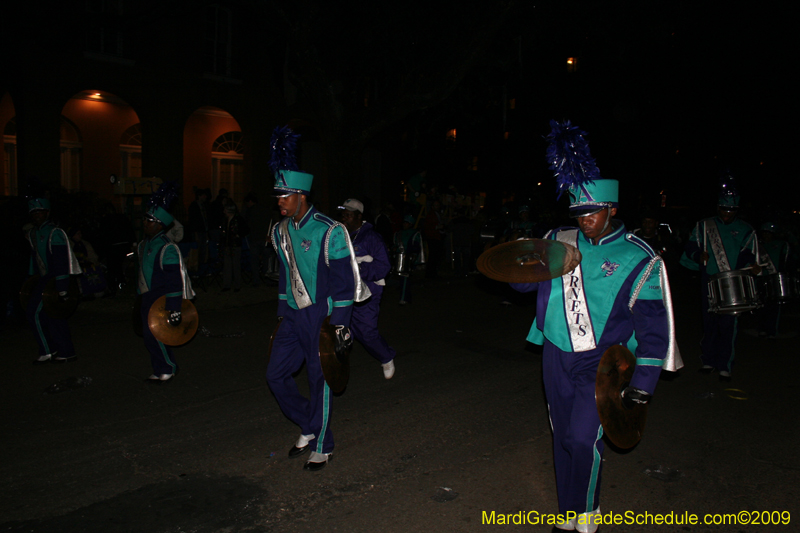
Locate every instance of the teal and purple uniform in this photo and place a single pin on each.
(51, 257)
(736, 248)
(615, 296)
(322, 257)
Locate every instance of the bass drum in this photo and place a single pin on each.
(778, 288)
(732, 293)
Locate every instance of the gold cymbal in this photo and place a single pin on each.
(157, 319)
(335, 367)
(528, 260)
(622, 426)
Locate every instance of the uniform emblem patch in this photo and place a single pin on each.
(609, 267)
(305, 245)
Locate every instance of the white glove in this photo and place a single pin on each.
(364, 259)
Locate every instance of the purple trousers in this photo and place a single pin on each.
(161, 358)
(297, 342)
(52, 334)
(364, 326)
(569, 385)
(719, 336)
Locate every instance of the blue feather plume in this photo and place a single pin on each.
(166, 194)
(727, 184)
(569, 156)
(282, 149)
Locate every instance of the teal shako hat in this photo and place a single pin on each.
(728, 197)
(283, 163)
(576, 171)
(35, 204)
(160, 202)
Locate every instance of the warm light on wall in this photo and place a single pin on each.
(451, 135)
(572, 64)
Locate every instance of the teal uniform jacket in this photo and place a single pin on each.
(602, 316)
(323, 261)
(161, 271)
(50, 254)
(738, 239)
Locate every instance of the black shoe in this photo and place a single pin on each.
(297, 452)
(706, 370)
(317, 466)
(59, 359)
(43, 359)
(724, 378)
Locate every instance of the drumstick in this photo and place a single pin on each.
(705, 261)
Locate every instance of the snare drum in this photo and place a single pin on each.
(732, 292)
(778, 287)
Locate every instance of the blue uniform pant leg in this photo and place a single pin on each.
(161, 357)
(719, 337)
(364, 326)
(768, 319)
(297, 342)
(37, 321)
(52, 334)
(405, 289)
(569, 382)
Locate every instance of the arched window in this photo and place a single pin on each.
(130, 151)
(227, 154)
(71, 147)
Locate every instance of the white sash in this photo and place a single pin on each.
(580, 328)
(710, 228)
(298, 288)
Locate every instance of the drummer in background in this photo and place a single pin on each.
(775, 258)
(161, 273)
(51, 257)
(408, 241)
(720, 244)
(615, 296)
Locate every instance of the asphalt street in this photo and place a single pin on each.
(459, 433)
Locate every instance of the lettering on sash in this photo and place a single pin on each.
(298, 288)
(717, 248)
(579, 323)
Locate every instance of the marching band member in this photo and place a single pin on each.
(733, 245)
(618, 294)
(374, 266)
(316, 281)
(51, 257)
(161, 273)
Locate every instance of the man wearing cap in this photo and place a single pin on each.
(161, 273)
(51, 258)
(720, 244)
(316, 281)
(374, 266)
(617, 295)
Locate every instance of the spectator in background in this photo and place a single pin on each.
(434, 236)
(199, 225)
(234, 230)
(259, 221)
(92, 280)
